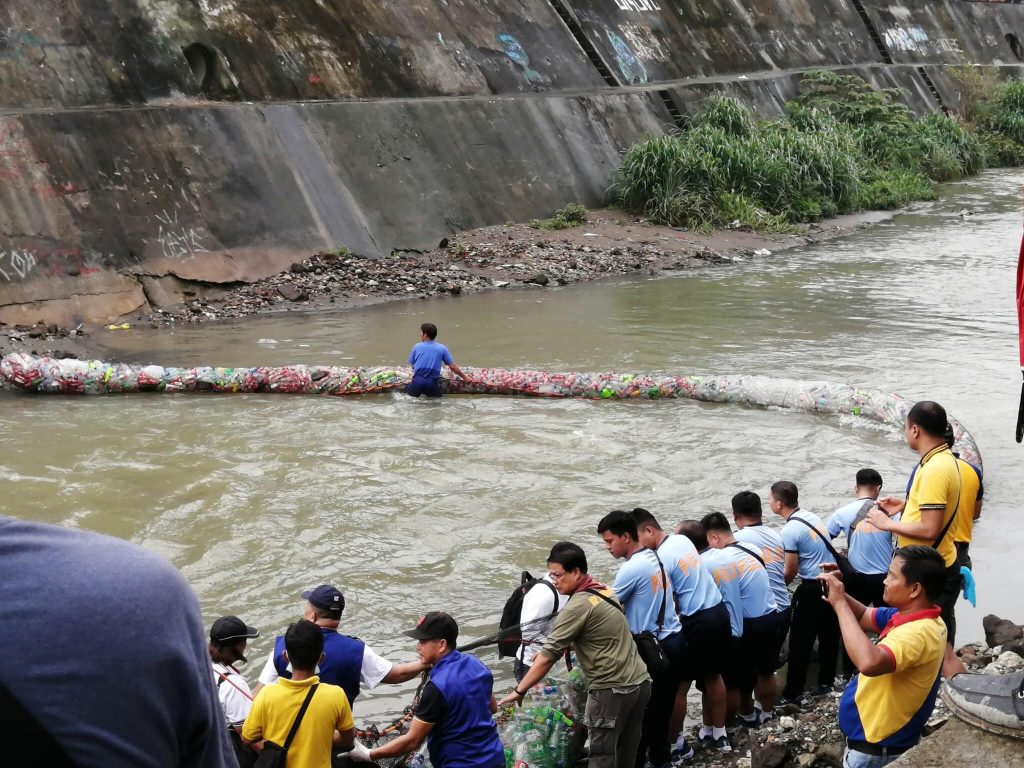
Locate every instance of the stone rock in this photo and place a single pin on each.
(806, 760)
(291, 293)
(831, 753)
(298, 268)
(771, 755)
(539, 279)
(787, 723)
(1008, 661)
(1014, 646)
(1000, 631)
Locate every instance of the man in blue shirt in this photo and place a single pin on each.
(804, 536)
(753, 669)
(454, 712)
(641, 585)
(868, 548)
(705, 621)
(426, 359)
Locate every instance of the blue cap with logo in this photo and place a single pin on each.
(326, 597)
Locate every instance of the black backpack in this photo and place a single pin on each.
(510, 635)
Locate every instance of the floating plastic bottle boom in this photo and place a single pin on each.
(42, 374)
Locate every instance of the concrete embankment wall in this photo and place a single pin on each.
(145, 142)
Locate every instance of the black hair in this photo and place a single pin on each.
(694, 531)
(568, 555)
(923, 565)
(869, 477)
(430, 329)
(949, 435)
(618, 522)
(716, 521)
(324, 613)
(304, 643)
(930, 417)
(642, 517)
(746, 504)
(786, 492)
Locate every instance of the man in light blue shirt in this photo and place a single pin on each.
(869, 548)
(641, 585)
(704, 618)
(426, 359)
(741, 570)
(805, 537)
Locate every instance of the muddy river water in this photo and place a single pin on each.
(410, 506)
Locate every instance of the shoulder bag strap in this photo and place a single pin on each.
(554, 592)
(955, 509)
(606, 599)
(752, 554)
(298, 717)
(861, 514)
(824, 539)
(225, 679)
(664, 591)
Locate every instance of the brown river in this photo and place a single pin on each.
(411, 506)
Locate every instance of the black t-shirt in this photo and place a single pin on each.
(432, 708)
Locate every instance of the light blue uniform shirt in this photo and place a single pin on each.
(694, 588)
(773, 552)
(426, 358)
(808, 545)
(869, 549)
(639, 587)
(755, 589)
(718, 564)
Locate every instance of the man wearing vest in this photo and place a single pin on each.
(804, 537)
(454, 712)
(348, 661)
(302, 715)
(930, 509)
(886, 706)
(595, 627)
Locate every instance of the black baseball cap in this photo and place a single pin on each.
(327, 597)
(229, 630)
(436, 625)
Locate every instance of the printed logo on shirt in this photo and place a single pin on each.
(689, 564)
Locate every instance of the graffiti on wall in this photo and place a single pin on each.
(637, 5)
(177, 241)
(16, 264)
(632, 69)
(916, 40)
(518, 55)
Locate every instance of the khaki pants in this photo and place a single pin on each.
(614, 718)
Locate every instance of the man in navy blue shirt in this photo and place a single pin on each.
(426, 359)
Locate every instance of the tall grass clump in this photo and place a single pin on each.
(1000, 117)
(841, 146)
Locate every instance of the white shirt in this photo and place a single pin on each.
(235, 703)
(537, 603)
(374, 669)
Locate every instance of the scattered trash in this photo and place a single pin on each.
(762, 252)
(121, 327)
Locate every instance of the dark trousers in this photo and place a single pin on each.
(865, 588)
(654, 744)
(813, 619)
(424, 385)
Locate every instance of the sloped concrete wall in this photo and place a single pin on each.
(647, 41)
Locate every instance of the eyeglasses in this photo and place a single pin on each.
(555, 576)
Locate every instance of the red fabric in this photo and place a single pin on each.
(906, 618)
(1020, 302)
(589, 582)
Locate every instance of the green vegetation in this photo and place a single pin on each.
(572, 215)
(842, 146)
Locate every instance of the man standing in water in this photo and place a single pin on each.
(426, 359)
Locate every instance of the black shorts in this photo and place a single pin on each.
(947, 601)
(424, 385)
(738, 672)
(707, 636)
(762, 641)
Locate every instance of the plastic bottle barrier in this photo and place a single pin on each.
(92, 377)
(546, 732)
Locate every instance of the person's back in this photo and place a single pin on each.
(722, 568)
(641, 587)
(694, 588)
(277, 705)
(540, 601)
(427, 357)
(773, 553)
(103, 646)
(808, 543)
(752, 580)
(971, 493)
(869, 549)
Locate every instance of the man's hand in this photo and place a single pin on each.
(891, 505)
(512, 698)
(831, 568)
(879, 519)
(835, 592)
(359, 753)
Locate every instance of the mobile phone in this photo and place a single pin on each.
(824, 587)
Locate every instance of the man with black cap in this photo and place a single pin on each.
(348, 662)
(228, 637)
(454, 712)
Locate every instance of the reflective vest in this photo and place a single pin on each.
(342, 664)
(467, 737)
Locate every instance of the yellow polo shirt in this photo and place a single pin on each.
(936, 486)
(274, 711)
(963, 526)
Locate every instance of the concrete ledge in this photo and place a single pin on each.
(958, 745)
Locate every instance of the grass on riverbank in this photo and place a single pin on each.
(842, 146)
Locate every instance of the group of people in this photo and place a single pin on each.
(709, 603)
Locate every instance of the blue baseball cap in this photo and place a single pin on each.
(326, 597)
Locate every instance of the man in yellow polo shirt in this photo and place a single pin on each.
(929, 511)
(326, 724)
(887, 704)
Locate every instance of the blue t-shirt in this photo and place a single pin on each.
(427, 356)
(869, 548)
(808, 545)
(694, 588)
(755, 590)
(103, 644)
(773, 552)
(719, 564)
(639, 587)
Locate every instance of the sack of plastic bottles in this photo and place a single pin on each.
(546, 731)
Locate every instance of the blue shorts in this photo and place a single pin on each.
(424, 385)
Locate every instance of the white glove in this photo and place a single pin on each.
(359, 753)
